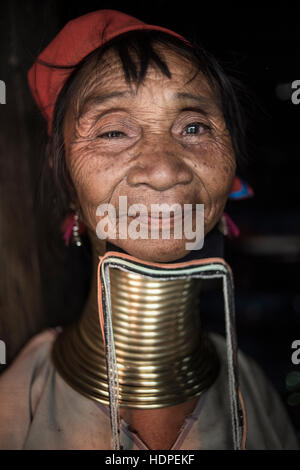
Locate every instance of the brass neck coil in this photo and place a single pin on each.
(162, 354)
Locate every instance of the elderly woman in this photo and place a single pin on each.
(135, 111)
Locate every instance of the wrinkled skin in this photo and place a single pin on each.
(152, 146)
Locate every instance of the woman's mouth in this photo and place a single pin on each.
(162, 220)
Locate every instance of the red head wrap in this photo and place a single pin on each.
(74, 42)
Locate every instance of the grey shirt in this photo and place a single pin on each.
(39, 410)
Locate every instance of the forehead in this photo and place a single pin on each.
(107, 79)
(181, 69)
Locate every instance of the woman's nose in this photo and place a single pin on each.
(160, 170)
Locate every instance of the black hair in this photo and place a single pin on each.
(136, 50)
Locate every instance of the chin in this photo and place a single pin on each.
(159, 251)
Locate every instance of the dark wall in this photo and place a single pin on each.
(260, 45)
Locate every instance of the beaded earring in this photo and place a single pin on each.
(72, 227)
(75, 230)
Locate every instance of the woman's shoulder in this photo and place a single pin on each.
(268, 423)
(20, 387)
(31, 355)
(252, 377)
(248, 367)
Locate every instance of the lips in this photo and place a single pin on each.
(161, 220)
(160, 216)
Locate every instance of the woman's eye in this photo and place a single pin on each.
(112, 135)
(195, 128)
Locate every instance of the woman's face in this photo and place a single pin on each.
(162, 142)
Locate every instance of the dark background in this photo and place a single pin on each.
(261, 45)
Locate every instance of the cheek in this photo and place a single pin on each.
(215, 166)
(222, 179)
(95, 180)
